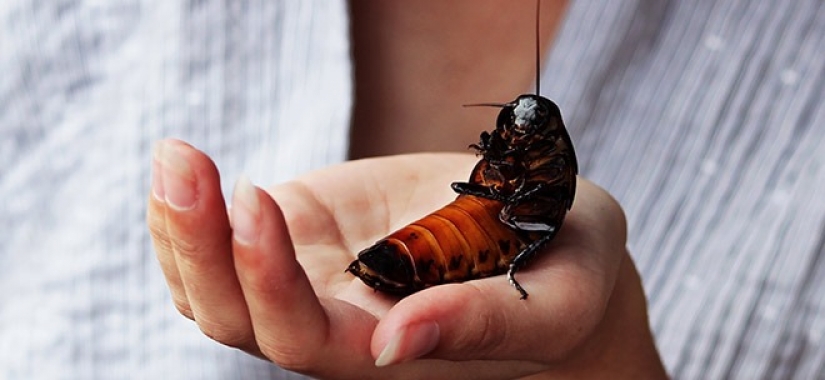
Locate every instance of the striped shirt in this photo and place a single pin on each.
(704, 118)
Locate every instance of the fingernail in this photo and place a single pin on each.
(157, 173)
(245, 212)
(410, 343)
(178, 179)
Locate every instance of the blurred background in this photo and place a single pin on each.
(705, 119)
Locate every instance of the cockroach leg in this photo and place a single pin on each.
(484, 145)
(515, 283)
(521, 196)
(523, 257)
(475, 189)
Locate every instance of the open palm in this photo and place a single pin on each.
(272, 281)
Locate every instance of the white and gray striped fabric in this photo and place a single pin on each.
(85, 88)
(704, 118)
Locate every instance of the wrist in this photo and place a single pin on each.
(623, 346)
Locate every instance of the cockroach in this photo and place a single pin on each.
(513, 204)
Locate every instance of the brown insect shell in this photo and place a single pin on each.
(461, 241)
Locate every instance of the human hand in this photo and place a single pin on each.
(268, 277)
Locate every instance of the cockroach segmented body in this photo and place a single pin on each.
(513, 204)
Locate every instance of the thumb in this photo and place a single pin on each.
(570, 285)
(484, 320)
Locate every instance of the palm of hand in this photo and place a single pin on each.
(334, 213)
(317, 319)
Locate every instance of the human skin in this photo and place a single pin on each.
(268, 277)
(417, 62)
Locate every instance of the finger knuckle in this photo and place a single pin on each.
(183, 307)
(493, 332)
(160, 238)
(192, 249)
(486, 334)
(290, 357)
(228, 335)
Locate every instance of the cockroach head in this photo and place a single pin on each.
(530, 116)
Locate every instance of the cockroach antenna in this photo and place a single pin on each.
(497, 105)
(513, 204)
(538, 64)
(538, 48)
